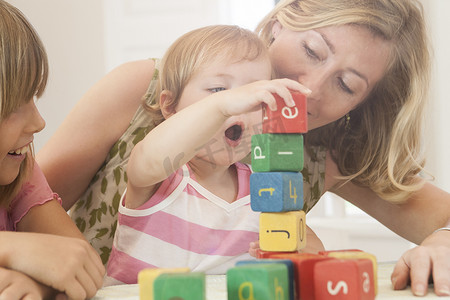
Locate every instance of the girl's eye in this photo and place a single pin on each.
(217, 89)
(344, 87)
(310, 52)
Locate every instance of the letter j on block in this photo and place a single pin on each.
(284, 231)
(277, 152)
(276, 191)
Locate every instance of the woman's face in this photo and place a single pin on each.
(339, 64)
(16, 135)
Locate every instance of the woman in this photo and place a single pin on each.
(367, 65)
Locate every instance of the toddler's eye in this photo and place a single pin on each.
(217, 89)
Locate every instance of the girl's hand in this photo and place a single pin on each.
(249, 97)
(417, 264)
(15, 285)
(66, 264)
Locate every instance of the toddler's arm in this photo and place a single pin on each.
(176, 140)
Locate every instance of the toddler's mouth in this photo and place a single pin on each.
(233, 134)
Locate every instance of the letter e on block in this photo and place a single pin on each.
(286, 119)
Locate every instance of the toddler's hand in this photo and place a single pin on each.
(249, 97)
(254, 247)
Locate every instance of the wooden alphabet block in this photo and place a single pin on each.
(186, 286)
(286, 119)
(289, 265)
(350, 279)
(276, 191)
(146, 279)
(357, 254)
(258, 281)
(303, 272)
(268, 254)
(277, 152)
(282, 231)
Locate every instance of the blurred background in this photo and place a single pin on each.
(85, 39)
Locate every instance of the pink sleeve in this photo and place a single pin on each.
(35, 191)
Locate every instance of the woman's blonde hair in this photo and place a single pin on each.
(194, 50)
(23, 76)
(381, 147)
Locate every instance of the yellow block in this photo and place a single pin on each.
(146, 278)
(359, 255)
(283, 232)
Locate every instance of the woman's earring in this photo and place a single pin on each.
(347, 121)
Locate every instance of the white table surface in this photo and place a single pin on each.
(216, 288)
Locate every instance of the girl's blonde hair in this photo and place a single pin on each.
(381, 148)
(23, 76)
(194, 50)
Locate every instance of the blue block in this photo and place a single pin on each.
(290, 268)
(276, 191)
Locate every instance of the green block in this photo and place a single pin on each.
(277, 152)
(258, 281)
(180, 286)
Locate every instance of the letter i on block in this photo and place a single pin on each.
(146, 280)
(277, 152)
(258, 282)
(276, 191)
(284, 231)
(349, 279)
(286, 119)
(186, 286)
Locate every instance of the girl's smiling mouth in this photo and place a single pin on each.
(20, 151)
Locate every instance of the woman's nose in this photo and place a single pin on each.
(315, 81)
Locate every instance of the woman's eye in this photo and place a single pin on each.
(310, 52)
(217, 89)
(345, 87)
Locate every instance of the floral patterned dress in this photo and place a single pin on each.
(95, 213)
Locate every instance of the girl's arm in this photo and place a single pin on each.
(16, 285)
(80, 145)
(179, 137)
(68, 263)
(416, 220)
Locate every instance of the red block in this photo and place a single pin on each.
(287, 119)
(327, 252)
(269, 254)
(350, 279)
(304, 272)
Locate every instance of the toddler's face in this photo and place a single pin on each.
(233, 141)
(16, 135)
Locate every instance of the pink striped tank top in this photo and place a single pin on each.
(183, 225)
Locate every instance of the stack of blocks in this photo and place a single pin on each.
(276, 186)
(276, 190)
(281, 272)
